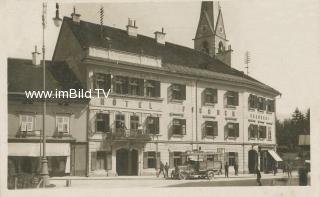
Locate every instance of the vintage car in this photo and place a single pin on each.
(198, 165)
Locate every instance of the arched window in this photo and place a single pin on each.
(221, 47)
(205, 47)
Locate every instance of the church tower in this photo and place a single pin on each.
(211, 36)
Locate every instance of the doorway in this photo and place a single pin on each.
(252, 161)
(127, 162)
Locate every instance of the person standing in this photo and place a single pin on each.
(236, 167)
(166, 168)
(289, 168)
(161, 170)
(226, 170)
(258, 177)
(274, 168)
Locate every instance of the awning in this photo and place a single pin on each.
(33, 149)
(275, 155)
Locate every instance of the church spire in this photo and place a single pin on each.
(211, 36)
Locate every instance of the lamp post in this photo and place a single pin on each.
(44, 162)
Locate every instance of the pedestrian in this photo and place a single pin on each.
(226, 170)
(161, 170)
(289, 169)
(166, 168)
(274, 168)
(258, 176)
(236, 167)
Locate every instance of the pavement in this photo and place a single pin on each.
(154, 182)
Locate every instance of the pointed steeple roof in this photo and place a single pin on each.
(219, 29)
(206, 20)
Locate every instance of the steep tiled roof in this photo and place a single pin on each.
(89, 35)
(24, 76)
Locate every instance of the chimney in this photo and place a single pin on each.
(160, 36)
(132, 29)
(35, 57)
(75, 16)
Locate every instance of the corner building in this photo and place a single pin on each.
(166, 99)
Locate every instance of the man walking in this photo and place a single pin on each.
(236, 167)
(166, 168)
(258, 176)
(226, 170)
(161, 170)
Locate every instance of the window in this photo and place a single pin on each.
(178, 92)
(101, 160)
(179, 127)
(150, 159)
(232, 98)
(232, 130)
(152, 125)
(134, 122)
(102, 81)
(262, 132)
(62, 124)
(120, 85)
(269, 133)
(253, 131)
(270, 105)
(221, 47)
(261, 103)
(136, 87)
(211, 128)
(120, 122)
(210, 96)
(177, 158)
(232, 158)
(102, 122)
(152, 88)
(253, 101)
(213, 157)
(26, 122)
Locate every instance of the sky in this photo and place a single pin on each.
(282, 36)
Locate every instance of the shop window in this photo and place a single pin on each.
(102, 122)
(102, 81)
(152, 88)
(232, 98)
(150, 159)
(262, 132)
(211, 128)
(63, 124)
(178, 126)
(177, 92)
(152, 125)
(210, 96)
(26, 122)
(232, 130)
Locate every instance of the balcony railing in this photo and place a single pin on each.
(128, 134)
(23, 134)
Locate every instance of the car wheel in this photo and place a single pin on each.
(210, 175)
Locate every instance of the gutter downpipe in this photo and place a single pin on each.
(197, 114)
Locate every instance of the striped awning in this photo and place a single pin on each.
(275, 155)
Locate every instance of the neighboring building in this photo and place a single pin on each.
(66, 120)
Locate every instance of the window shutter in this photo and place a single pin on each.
(157, 88)
(237, 129)
(107, 82)
(183, 89)
(203, 97)
(145, 160)
(93, 160)
(158, 160)
(184, 126)
(171, 160)
(215, 96)
(203, 129)
(215, 128)
(157, 123)
(169, 92)
(236, 94)
(225, 99)
(141, 87)
(109, 161)
(226, 131)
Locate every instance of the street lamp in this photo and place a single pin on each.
(44, 162)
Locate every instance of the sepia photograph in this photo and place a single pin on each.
(159, 95)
